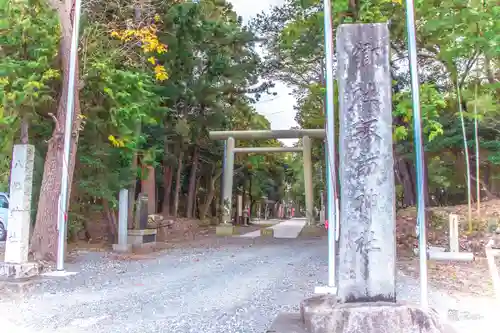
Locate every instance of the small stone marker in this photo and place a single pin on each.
(19, 219)
(239, 209)
(367, 243)
(267, 232)
(454, 227)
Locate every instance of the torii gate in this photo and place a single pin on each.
(231, 136)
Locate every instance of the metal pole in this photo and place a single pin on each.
(417, 129)
(467, 161)
(63, 206)
(331, 179)
(222, 175)
(476, 134)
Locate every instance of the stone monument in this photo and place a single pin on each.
(16, 263)
(367, 246)
(141, 235)
(366, 300)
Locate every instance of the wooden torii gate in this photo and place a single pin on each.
(231, 149)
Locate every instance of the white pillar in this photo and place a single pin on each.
(454, 244)
(228, 182)
(122, 245)
(308, 182)
(123, 217)
(19, 218)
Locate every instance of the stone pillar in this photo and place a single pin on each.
(19, 218)
(454, 233)
(228, 182)
(367, 248)
(122, 245)
(239, 209)
(308, 184)
(141, 212)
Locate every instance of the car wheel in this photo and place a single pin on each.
(3, 232)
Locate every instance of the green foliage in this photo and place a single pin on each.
(156, 79)
(457, 41)
(29, 37)
(432, 103)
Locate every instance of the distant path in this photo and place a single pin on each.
(286, 229)
(236, 289)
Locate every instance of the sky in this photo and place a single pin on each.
(277, 109)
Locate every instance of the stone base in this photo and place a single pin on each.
(141, 236)
(269, 232)
(122, 248)
(322, 314)
(10, 271)
(287, 323)
(225, 230)
(144, 246)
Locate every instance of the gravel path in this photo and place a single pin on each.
(236, 289)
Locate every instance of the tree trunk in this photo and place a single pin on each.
(178, 181)
(148, 186)
(192, 182)
(133, 187)
(210, 195)
(25, 129)
(138, 128)
(167, 190)
(486, 176)
(167, 179)
(407, 181)
(426, 179)
(110, 215)
(44, 239)
(196, 198)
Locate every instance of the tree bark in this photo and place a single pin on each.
(25, 129)
(407, 181)
(167, 179)
(178, 181)
(192, 182)
(133, 186)
(110, 215)
(167, 190)
(148, 186)
(210, 195)
(44, 239)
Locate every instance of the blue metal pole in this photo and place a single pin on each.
(417, 132)
(331, 178)
(222, 174)
(62, 214)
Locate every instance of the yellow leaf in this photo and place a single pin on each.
(400, 2)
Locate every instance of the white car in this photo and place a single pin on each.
(4, 214)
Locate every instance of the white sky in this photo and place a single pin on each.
(277, 109)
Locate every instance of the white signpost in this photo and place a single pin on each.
(16, 263)
(21, 184)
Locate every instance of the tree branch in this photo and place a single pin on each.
(56, 122)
